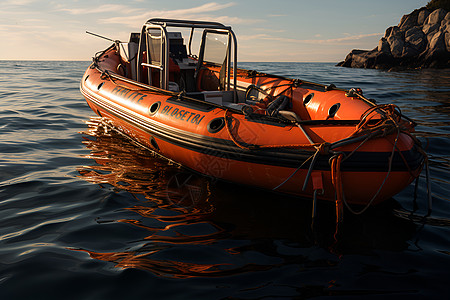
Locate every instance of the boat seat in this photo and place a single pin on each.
(174, 70)
(237, 106)
(174, 87)
(207, 80)
(290, 115)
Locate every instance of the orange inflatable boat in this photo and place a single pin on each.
(196, 108)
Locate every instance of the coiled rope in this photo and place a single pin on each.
(367, 129)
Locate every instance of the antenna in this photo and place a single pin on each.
(103, 37)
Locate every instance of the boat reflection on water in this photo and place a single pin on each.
(197, 227)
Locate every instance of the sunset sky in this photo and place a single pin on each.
(283, 30)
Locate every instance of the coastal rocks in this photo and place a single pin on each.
(416, 39)
(421, 40)
(383, 46)
(436, 16)
(423, 15)
(447, 41)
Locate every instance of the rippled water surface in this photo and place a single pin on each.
(85, 214)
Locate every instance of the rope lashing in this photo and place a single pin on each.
(336, 179)
(390, 121)
(317, 181)
(255, 147)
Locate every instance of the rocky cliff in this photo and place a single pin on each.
(421, 40)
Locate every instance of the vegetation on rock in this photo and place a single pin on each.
(435, 4)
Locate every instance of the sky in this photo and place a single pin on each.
(266, 30)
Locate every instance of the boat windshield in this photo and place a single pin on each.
(216, 48)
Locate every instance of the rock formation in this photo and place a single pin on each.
(421, 40)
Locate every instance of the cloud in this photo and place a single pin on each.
(202, 12)
(270, 30)
(18, 2)
(263, 36)
(133, 17)
(123, 9)
(342, 40)
(230, 20)
(208, 7)
(22, 28)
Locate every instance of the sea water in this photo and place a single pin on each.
(86, 214)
